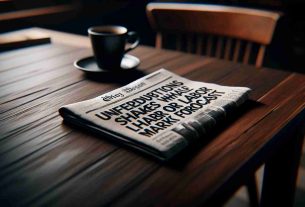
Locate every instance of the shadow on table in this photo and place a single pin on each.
(180, 160)
(122, 77)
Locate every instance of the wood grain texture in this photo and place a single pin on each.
(46, 162)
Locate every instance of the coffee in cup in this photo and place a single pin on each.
(108, 43)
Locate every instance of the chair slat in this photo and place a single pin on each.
(247, 53)
(159, 40)
(236, 51)
(199, 44)
(219, 47)
(209, 45)
(260, 56)
(189, 43)
(228, 49)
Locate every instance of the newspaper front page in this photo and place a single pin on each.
(160, 114)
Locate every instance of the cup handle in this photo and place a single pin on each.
(136, 42)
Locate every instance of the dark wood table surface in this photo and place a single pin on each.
(44, 162)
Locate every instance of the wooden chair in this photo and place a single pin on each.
(231, 33)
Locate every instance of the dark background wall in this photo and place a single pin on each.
(287, 50)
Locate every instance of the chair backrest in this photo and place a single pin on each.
(224, 31)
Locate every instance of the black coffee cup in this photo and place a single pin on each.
(108, 43)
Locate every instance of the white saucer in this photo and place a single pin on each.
(88, 64)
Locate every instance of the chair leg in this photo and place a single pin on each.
(252, 191)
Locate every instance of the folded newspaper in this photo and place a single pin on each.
(160, 114)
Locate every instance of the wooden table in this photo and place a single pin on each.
(45, 162)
